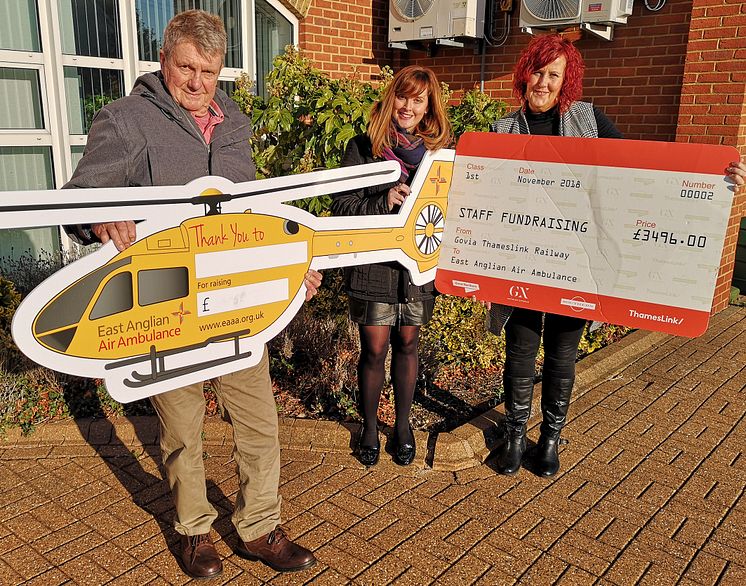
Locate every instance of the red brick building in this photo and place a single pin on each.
(675, 74)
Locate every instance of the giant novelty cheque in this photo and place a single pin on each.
(216, 271)
(619, 231)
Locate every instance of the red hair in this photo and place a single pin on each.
(542, 51)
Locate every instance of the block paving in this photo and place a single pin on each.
(651, 490)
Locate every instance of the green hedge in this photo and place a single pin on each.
(303, 125)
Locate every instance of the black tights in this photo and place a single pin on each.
(374, 345)
(561, 339)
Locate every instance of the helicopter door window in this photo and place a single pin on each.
(115, 297)
(158, 285)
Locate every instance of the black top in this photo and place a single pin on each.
(386, 282)
(547, 123)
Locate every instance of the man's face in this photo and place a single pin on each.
(191, 77)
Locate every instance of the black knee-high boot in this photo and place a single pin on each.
(518, 394)
(555, 401)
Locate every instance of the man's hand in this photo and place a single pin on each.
(312, 281)
(122, 233)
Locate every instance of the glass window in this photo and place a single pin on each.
(157, 285)
(227, 86)
(153, 15)
(19, 25)
(273, 33)
(115, 297)
(77, 153)
(20, 99)
(90, 27)
(27, 168)
(87, 91)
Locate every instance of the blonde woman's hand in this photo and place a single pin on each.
(397, 194)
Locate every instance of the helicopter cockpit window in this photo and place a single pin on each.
(68, 308)
(157, 285)
(115, 297)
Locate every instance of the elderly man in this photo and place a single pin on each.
(177, 126)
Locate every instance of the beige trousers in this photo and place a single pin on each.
(246, 397)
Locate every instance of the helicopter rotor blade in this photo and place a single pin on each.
(26, 209)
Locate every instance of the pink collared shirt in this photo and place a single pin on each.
(209, 121)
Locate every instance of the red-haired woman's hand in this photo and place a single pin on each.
(737, 172)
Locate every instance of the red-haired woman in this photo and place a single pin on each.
(405, 123)
(548, 80)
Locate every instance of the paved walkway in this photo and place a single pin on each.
(651, 490)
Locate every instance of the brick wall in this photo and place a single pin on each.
(675, 74)
(346, 36)
(713, 102)
(636, 78)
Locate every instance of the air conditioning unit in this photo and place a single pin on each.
(596, 16)
(433, 20)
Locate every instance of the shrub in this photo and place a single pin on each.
(308, 119)
(475, 112)
(303, 125)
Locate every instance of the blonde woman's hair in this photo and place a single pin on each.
(434, 128)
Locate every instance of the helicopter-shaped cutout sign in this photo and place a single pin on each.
(198, 296)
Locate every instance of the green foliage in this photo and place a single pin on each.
(9, 300)
(603, 336)
(308, 119)
(456, 334)
(475, 112)
(91, 105)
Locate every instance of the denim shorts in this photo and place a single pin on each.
(375, 313)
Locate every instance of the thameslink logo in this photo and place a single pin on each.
(653, 317)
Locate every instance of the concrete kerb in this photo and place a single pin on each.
(466, 446)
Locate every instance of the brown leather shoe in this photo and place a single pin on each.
(199, 558)
(277, 551)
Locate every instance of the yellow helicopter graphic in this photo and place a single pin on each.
(198, 296)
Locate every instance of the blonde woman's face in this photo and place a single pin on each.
(408, 112)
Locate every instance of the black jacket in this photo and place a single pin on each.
(384, 282)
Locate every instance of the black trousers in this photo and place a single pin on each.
(523, 333)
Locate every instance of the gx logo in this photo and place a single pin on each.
(516, 291)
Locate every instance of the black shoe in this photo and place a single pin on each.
(404, 453)
(546, 457)
(368, 455)
(510, 454)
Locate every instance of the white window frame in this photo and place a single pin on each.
(50, 63)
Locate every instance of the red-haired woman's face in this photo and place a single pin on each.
(543, 86)
(408, 112)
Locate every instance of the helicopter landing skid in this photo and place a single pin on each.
(159, 372)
